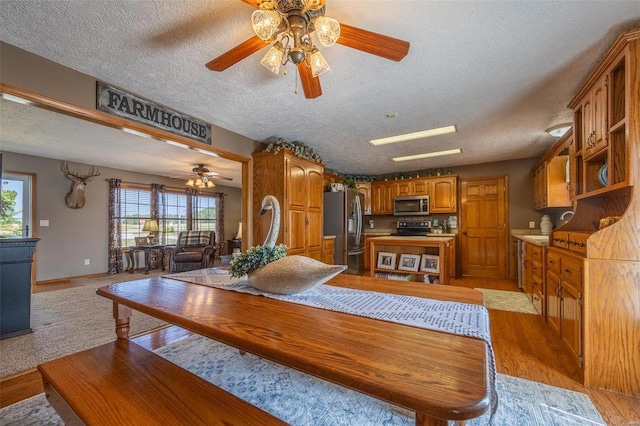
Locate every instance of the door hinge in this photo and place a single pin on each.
(581, 359)
(606, 81)
(580, 301)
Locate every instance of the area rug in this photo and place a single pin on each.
(68, 321)
(514, 301)
(300, 399)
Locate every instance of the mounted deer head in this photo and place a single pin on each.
(75, 197)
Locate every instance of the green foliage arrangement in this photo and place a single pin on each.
(298, 148)
(256, 257)
(350, 183)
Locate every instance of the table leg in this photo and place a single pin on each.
(424, 420)
(147, 258)
(131, 260)
(121, 314)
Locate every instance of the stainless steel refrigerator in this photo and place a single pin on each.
(343, 218)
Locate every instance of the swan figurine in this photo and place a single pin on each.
(290, 274)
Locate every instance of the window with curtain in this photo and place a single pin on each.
(135, 209)
(176, 219)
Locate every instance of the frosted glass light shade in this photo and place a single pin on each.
(273, 59)
(265, 23)
(318, 64)
(191, 183)
(327, 30)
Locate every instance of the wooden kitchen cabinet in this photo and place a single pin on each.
(382, 194)
(364, 188)
(442, 191)
(551, 187)
(328, 247)
(564, 299)
(298, 185)
(443, 194)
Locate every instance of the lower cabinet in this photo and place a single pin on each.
(564, 298)
(328, 246)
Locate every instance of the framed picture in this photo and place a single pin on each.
(386, 260)
(409, 262)
(430, 263)
(141, 241)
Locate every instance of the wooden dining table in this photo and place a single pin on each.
(440, 376)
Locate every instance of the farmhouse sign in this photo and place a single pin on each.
(122, 104)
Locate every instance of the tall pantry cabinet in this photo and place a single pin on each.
(298, 185)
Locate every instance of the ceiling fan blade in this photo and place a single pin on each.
(374, 43)
(236, 54)
(310, 84)
(254, 3)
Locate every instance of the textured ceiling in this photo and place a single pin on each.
(502, 71)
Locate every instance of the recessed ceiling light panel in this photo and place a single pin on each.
(415, 135)
(428, 155)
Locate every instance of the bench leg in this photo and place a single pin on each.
(121, 314)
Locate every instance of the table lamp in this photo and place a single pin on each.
(151, 225)
(239, 233)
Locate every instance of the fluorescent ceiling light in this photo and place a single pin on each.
(178, 144)
(204, 151)
(136, 132)
(415, 135)
(428, 155)
(17, 99)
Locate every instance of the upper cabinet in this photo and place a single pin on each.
(442, 192)
(551, 176)
(364, 188)
(601, 118)
(382, 194)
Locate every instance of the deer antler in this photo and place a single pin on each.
(64, 166)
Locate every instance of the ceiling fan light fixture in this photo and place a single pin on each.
(273, 59)
(191, 183)
(265, 23)
(210, 184)
(327, 30)
(318, 64)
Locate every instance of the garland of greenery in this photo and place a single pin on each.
(298, 148)
(256, 257)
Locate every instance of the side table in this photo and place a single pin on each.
(149, 251)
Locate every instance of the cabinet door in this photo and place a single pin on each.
(553, 300)
(404, 188)
(443, 195)
(364, 188)
(421, 187)
(314, 211)
(600, 116)
(294, 231)
(382, 194)
(572, 319)
(296, 183)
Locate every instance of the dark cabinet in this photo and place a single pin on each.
(16, 255)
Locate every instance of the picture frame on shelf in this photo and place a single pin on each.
(141, 241)
(430, 263)
(386, 260)
(409, 262)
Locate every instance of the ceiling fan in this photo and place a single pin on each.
(289, 24)
(201, 177)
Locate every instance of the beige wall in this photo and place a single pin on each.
(77, 234)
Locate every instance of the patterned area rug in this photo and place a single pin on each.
(300, 399)
(69, 321)
(514, 301)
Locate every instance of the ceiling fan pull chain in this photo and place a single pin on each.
(296, 91)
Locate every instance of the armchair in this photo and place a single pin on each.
(194, 250)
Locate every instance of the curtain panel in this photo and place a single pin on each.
(115, 242)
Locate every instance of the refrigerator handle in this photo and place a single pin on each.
(358, 220)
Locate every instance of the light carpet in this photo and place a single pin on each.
(300, 399)
(514, 301)
(68, 321)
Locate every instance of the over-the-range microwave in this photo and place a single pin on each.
(411, 206)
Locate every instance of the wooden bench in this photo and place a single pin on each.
(121, 383)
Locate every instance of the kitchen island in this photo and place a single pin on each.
(411, 258)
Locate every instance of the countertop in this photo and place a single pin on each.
(439, 238)
(539, 240)
(329, 237)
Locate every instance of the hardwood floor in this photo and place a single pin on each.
(524, 346)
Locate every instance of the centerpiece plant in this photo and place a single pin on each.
(256, 257)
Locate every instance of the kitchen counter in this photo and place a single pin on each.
(329, 237)
(539, 240)
(411, 239)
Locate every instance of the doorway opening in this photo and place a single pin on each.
(16, 211)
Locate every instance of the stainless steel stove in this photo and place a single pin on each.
(413, 228)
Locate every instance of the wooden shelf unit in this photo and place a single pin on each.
(412, 245)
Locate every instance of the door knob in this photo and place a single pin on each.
(464, 232)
